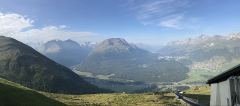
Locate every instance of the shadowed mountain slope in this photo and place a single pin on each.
(22, 64)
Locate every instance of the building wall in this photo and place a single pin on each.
(220, 94)
(235, 90)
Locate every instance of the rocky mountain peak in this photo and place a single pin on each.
(116, 44)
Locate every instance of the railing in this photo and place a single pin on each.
(190, 101)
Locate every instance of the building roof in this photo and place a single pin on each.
(235, 71)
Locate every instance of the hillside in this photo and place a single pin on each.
(12, 94)
(200, 93)
(22, 64)
(122, 86)
(205, 56)
(116, 59)
(117, 99)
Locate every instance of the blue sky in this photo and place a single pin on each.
(153, 22)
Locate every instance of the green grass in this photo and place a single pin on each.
(12, 94)
(201, 93)
(116, 99)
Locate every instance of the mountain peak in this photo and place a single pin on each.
(22, 64)
(115, 44)
(62, 44)
(67, 52)
(62, 41)
(115, 41)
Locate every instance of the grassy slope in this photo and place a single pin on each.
(12, 94)
(24, 65)
(116, 99)
(201, 93)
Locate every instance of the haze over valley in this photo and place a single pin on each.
(204, 56)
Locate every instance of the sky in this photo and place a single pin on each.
(152, 22)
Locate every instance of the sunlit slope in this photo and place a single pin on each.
(201, 93)
(12, 94)
(205, 56)
(116, 99)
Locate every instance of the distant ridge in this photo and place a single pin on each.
(206, 56)
(67, 53)
(116, 58)
(22, 64)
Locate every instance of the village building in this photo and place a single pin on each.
(225, 88)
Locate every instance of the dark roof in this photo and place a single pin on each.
(235, 71)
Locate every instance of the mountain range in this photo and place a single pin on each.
(67, 53)
(22, 64)
(197, 58)
(205, 55)
(116, 59)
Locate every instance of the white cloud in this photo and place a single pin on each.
(164, 13)
(56, 32)
(21, 28)
(13, 23)
(173, 22)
